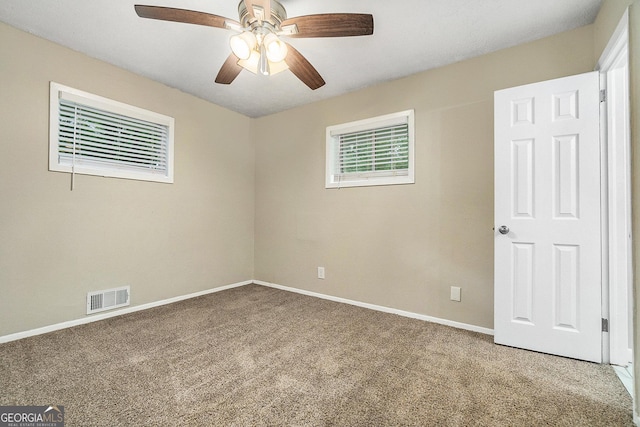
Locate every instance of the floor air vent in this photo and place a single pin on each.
(107, 299)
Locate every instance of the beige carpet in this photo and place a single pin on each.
(260, 356)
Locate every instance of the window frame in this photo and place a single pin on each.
(332, 175)
(59, 91)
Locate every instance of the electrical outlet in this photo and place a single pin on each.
(320, 272)
(455, 293)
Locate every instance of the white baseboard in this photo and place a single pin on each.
(403, 313)
(102, 316)
(107, 315)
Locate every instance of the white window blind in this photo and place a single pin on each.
(376, 151)
(96, 136)
(383, 152)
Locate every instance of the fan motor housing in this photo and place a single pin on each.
(278, 14)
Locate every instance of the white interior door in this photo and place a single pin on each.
(548, 217)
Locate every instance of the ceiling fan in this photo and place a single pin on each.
(257, 45)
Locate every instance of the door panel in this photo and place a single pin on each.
(547, 192)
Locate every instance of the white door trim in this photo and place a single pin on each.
(614, 68)
(617, 281)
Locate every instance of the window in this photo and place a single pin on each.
(377, 151)
(92, 135)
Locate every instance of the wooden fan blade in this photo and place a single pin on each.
(332, 25)
(229, 71)
(182, 15)
(303, 69)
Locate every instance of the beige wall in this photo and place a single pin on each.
(397, 246)
(164, 240)
(400, 246)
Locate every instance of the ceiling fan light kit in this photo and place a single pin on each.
(243, 44)
(276, 49)
(258, 46)
(253, 64)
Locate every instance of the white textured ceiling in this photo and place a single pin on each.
(409, 36)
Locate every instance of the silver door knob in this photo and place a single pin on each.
(503, 229)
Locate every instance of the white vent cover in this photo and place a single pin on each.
(107, 299)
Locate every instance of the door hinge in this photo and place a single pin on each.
(605, 325)
(603, 95)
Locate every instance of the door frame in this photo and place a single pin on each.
(617, 278)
